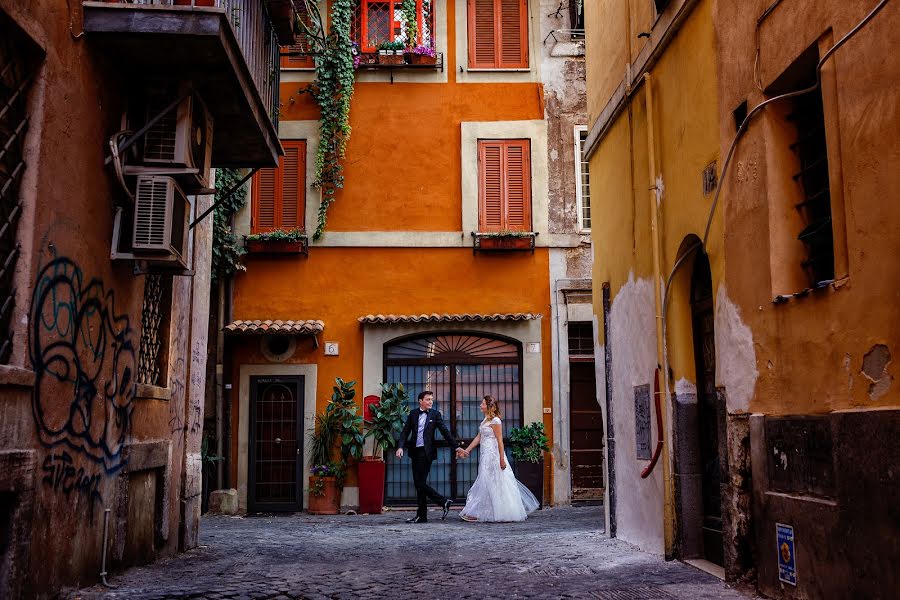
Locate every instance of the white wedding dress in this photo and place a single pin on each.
(496, 494)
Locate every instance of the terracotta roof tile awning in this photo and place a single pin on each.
(258, 327)
(446, 318)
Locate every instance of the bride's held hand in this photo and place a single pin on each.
(502, 464)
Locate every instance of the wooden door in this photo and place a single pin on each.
(585, 433)
(276, 444)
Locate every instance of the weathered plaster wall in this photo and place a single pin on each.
(78, 310)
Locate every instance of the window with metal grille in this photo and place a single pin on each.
(19, 59)
(154, 353)
(504, 185)
(298, 56)
(576, 17)
(377, 21)
(582, 180)
(279, 195)
(817, 236)
(581, 338)
(498, 34)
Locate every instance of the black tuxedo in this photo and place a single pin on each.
(423, 456)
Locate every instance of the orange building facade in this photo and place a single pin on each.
(435, 268)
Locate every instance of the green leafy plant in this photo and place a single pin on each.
(347, 424)
(322, 439)
(278, 235)
(391, 45)
(528, 443)
(506, 233)
(332, 90)
(410, 22)
(388, 417)
(227, 250)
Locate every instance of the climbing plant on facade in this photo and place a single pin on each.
(227, 250)
(332, 90)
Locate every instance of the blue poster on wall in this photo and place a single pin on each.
(787, 564)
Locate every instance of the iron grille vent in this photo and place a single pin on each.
(19, 60)
(151, 215)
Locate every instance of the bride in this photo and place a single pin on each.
(496, 494)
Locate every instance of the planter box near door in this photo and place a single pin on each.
(329, 501)
(532, 476)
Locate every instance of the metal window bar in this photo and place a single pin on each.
(17, 70)
(149, 366)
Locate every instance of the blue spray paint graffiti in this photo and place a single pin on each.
(84, 359)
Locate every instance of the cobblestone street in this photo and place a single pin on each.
(557, 553)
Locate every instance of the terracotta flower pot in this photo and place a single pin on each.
(421, 59)
(329, 501)
(371, 485)
(276, 247)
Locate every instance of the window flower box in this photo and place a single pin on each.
(390, 57)
(277, 242)
(504, 241)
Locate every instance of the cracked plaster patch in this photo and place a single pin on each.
(735, 354)
(874, 368)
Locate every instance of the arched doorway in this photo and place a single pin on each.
(710, 412)
(460, 368)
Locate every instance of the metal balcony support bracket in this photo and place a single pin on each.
(224, 197)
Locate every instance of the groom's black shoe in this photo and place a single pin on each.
(446, 509)
(417, 519)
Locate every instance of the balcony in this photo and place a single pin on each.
(228, 49)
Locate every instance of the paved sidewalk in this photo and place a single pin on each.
(557, 553)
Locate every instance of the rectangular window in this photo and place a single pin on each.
(576, 18)
(301, 49)
(498, 34)
(155, 329)
(582, 180)
(377, 21)
(504, 185)
(581, 339)
(279, 195)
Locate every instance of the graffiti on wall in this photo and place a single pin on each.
(84, 359)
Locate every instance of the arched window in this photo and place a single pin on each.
(460, 368)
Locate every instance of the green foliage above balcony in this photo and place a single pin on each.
(332, 90)
(227, 250)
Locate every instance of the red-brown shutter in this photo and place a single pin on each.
(279, 195)
(513, 34)
(504, 191)
(518, 186)
(490, 170)
(264, 184)
(293, 179)
(498, 34)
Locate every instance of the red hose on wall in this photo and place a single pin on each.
(659, 430)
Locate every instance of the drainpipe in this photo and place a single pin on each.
(656, 237)
(220, 382)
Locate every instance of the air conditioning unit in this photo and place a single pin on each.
(181, 140)
(162, 214)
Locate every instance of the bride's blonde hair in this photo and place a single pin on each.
(493, 409)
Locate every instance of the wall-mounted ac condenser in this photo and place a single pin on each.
(182, 139)
(162, 213)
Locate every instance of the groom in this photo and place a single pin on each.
(418, 438)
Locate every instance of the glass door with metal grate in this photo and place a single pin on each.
(276, 444)
(460, 369)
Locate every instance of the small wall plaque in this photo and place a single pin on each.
(642, 421)
(533, 347)
(331, 349)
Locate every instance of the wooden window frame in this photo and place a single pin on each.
(504, 225)
(364, 44)
(498, 62)
(278, 209)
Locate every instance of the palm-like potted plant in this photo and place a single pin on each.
(336, 440)
(388, 416)
(528, 445)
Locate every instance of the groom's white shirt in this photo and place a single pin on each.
(420, 436)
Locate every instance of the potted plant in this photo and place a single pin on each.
(278, 241)
(528, 445)
(325, 488)
(390, 53)
(388, 416)
(422, 55)
(504, 240)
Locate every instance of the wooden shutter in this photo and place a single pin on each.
(498, 34)
(279, 195)
(504, 191)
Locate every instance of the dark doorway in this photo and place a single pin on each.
(276, 444)
(711, 411)
(459, 368)
(585, 416)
